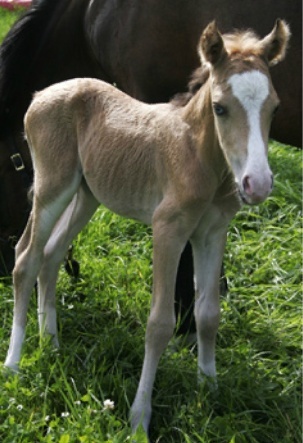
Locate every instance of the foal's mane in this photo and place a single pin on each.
(244, 43)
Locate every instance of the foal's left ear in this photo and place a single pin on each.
(211, 47)
(274, 45)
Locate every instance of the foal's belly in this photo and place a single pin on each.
(138, 210)
(139, 204)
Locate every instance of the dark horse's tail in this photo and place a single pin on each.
(46, 45)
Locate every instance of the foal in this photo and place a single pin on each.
(185, 170)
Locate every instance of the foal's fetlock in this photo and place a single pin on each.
(207, 381)
(48, 339)
(10, 368)
(139, 417)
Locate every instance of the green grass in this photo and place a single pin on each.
(7, 18)
(59, 395)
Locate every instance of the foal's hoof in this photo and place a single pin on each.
(10, 369)
(139, 436)
(208, 382)
(140, 415)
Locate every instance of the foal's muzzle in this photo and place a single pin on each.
(253, 190)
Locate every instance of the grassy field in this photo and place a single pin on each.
(59, 395)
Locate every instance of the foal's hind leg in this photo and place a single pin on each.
(75, 217)
(29, 256)
(17, 334)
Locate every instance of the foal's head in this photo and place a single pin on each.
(244, 101)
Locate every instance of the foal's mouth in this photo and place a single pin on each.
(243, 198)
(251, 201)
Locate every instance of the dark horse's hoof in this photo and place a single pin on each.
(71, 266)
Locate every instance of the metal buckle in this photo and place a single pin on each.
(17, 162)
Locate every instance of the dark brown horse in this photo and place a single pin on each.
(148, 50)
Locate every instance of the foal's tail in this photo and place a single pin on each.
(46, 45)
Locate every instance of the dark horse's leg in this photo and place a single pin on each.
(185, 293)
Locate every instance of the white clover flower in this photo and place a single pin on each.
(65, 414)
(20, 407)
(108, 404)
(78, 402)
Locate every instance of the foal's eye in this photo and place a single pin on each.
(219, 110)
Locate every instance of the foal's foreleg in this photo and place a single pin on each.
(208, 249)
(75, 217)
(167, 247)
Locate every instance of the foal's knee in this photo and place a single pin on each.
(26, 270)
(159, 330)
(19, 273)
(21, 270)
(207, 315)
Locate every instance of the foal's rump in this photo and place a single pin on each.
(52, 142)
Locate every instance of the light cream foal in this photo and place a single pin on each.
(186, 170)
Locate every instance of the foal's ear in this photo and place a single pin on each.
(211, 46)
(274, 45)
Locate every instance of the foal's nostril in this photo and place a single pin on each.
(246, 185)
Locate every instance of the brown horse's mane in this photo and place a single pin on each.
(197, 80)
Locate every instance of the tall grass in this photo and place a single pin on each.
(7, 18)
(59, 396)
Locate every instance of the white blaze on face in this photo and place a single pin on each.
(252, 89)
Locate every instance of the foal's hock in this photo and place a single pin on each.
(185, 170)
